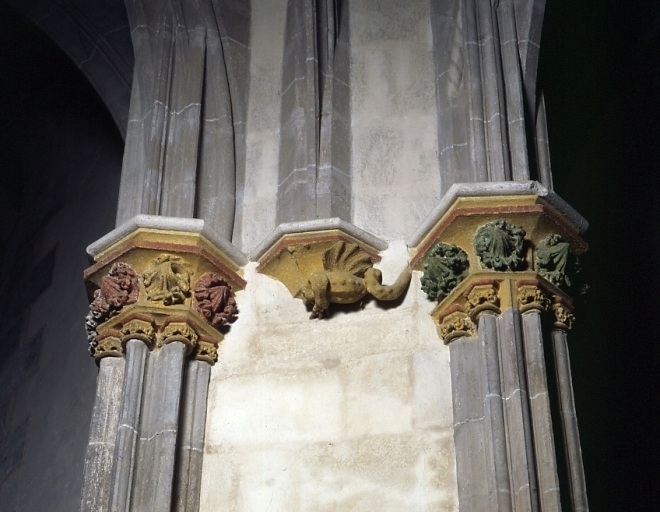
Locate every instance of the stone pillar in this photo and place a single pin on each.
(490, 120)
(499, 258)
(314, 166)
(162, 297)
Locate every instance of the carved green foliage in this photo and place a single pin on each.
(444, 267)
(555, 262)
(552, 255)
(499, 245)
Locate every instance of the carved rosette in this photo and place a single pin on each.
(444, 267)
(499, 245)
(564, 318)
(531, 297)
(214, 300)
(119, 288)
(149, 295)
(456, 324)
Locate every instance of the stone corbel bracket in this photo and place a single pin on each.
(327, 261)
(474, 221)
(158, 280)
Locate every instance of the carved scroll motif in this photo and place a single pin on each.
(214, 300)
(499, 245)
(167, 280)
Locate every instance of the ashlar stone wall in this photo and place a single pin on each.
(348, 413)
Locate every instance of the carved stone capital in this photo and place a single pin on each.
(515, 239)
(206, 350)
(177, 329)
(139, 327)
(142, 286)
(456, 324)
(483, 297)
(107, 345)
(530, 297)
(564, 318)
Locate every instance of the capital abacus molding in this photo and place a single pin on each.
(179, 283)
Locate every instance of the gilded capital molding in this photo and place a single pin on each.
(329, 266)
(161, 284)
(519, 250)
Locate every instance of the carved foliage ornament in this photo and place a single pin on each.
(118, 289)
(455, 325)
(214, 300)
(499, 245)
(444, 267)
(552, 255)
(532, 297)
(167, 280)
(564, 319)
(348, 276)
(483, 298)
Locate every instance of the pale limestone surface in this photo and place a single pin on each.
(396, 179)
(350, 413)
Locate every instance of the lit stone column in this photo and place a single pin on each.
(499, 258)
(162, 292)
(563, 322)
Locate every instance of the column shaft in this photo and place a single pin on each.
(97, 483)
(154, 465)
(539, 403)
(129, 424)
(190, 448)
(516, 406)
(569, 421)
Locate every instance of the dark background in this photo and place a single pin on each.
(599, 70)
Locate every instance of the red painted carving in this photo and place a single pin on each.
(214, 300)
(118, 289)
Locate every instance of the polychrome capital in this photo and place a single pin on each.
(514, 248)
(159, 283)
(328, 262)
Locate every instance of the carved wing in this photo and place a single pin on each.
(343, 257)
